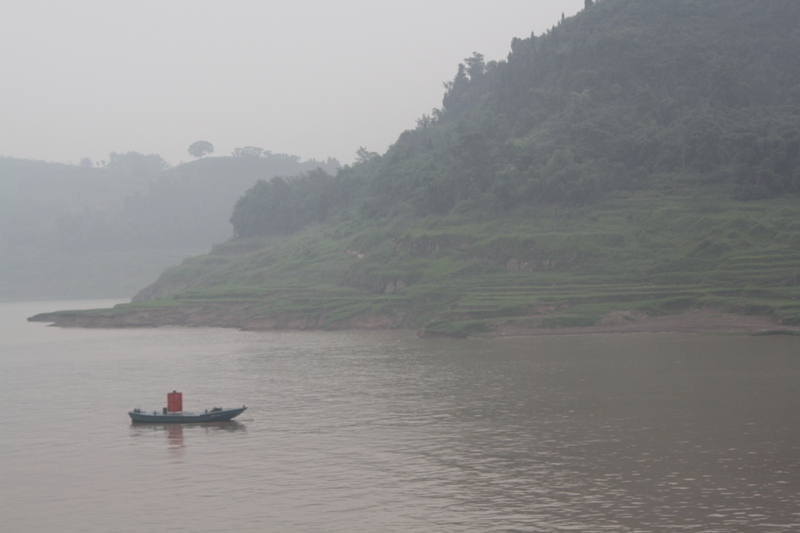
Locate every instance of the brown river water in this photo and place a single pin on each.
(382, 431)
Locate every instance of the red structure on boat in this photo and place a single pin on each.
(174, 402)
(173, 413)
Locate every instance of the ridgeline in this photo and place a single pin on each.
(107, 229)
(638, 159)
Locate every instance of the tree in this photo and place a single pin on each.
(588, 4)
(475, 66)
(250, 151)
(134, 164)
(200, 148)
(363, 155)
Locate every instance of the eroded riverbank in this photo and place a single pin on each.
(237, 316)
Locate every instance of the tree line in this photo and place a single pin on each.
(625, 95)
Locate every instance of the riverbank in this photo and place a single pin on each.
(695, 321)
(236, 316)
(228, 315)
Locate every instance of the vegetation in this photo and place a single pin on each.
(650, 252)
(625, 96)
(200, 148)
(638, 157)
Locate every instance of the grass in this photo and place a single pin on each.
(656, 252)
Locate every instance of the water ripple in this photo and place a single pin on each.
(385, 432)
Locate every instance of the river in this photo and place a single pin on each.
(382, 431)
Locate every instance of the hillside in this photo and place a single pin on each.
(641, 158)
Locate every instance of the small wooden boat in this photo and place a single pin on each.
(174, 414)
(217, 414)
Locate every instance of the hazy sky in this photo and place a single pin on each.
(313, 78)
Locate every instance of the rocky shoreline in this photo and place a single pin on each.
(213, 316)
(695, 321)
(236, 316)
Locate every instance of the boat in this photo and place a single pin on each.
(217, 414)
(174, 413)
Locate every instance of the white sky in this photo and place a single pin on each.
(313, 78)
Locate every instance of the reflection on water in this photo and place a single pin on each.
(175, 432)
(178, 436)
(175, 437)
(385, 432)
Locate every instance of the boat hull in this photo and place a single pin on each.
(185, 418)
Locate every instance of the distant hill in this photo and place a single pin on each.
(639, 157)
(106, 230)
(185, 206)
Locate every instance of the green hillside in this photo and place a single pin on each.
(640, 156)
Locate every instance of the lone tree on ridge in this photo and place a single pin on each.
(200, 148)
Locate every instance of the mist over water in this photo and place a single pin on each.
(381, 431)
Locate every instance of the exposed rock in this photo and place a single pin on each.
(394, 286)
(621, 318)
(518, 265)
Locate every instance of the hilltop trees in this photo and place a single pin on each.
(609, 100)
(133, 166)
(200, 148)
(250, 151)
(281, 206)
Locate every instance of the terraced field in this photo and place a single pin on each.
(654, 254)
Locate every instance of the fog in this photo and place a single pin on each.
(315, 79)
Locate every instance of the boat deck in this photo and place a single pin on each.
(210, 415)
